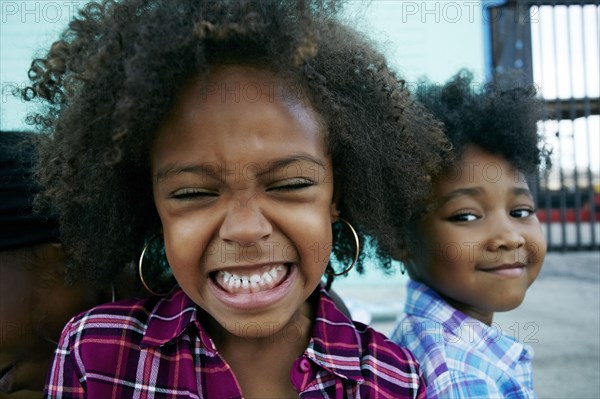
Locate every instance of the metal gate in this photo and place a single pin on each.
(556, 46)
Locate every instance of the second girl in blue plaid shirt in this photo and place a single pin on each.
(478, 247)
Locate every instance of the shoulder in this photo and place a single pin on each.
(425, 338)
(92, 345)
(449, 368)
(115, 346)
(111, 319)
(459, 384)
(375, 343)
(126, 324)
(381, 359)
(458, 364)
(362, 354)
(335, 332)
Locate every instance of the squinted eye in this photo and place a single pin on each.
(192, 193)
(291, 184)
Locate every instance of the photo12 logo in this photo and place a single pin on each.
(461, 11)
(38, 11)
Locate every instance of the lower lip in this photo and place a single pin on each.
(512, 272)
(255, 300)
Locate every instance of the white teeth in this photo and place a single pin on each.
(255, 282)
(267, 278)
(226, 276)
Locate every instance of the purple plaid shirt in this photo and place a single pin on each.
(158, 348)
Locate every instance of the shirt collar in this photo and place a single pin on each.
(334, 345)
(422, 301)
(170, 317)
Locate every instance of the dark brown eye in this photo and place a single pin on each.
(522, 213)
(463, 217)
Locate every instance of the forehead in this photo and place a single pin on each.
(234, 110)
(477, 167)
(237, 86)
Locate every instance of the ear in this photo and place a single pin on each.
(334, 212)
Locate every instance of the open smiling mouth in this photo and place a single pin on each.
(243, 280)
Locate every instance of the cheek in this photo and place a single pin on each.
(311, 235)
(536, 248)
(317, 237)
(187, 240)
(445, 253)
(438, 245)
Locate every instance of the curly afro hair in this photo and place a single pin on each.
(500, 119)
(117, 70)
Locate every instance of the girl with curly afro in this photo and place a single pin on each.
(480, 245)
(246, 141)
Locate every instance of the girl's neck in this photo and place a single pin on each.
(484, 317)
(262, 366)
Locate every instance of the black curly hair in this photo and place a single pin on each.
(118, 68)
(500, 118)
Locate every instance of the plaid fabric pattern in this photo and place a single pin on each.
(157, 348)
(460, 356)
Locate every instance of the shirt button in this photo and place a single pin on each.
(304, 365)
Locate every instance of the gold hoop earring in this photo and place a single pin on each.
(141, 267)
(356, 253)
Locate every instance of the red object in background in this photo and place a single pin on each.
(584, 213)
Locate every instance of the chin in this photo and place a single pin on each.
(510, 305)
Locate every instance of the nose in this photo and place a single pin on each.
(245, 224)
(505, 235)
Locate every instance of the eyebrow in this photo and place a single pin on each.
(283, 162)
(467, 191)
(475, 191)
(214, 170)
(172, 170)
(518, 191)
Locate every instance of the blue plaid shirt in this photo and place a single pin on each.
(462, 357)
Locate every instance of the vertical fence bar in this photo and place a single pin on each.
(558, 116)
(587, 114)
(567, 196)
(546, 178)
(572, 117)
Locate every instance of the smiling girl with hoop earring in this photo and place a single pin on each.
(238, 132)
